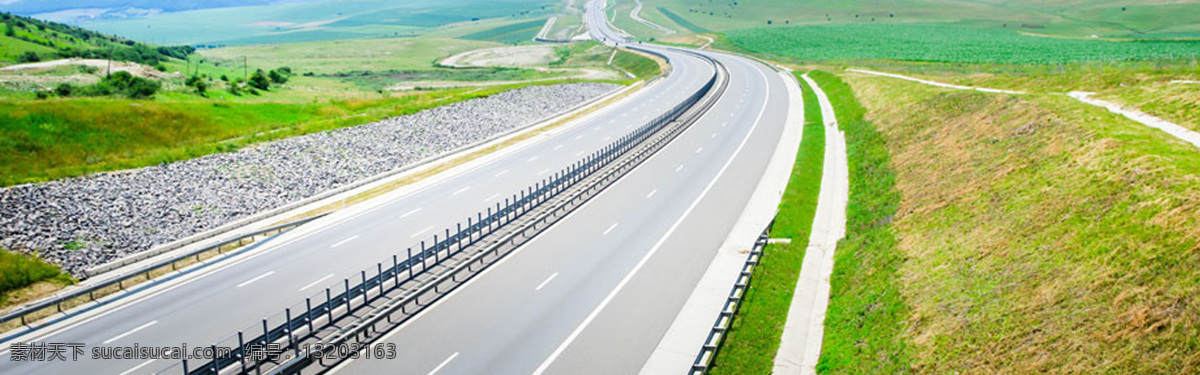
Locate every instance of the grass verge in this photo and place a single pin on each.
(19, 271)
(865, 323)
(754, 335)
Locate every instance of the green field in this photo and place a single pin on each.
(1070, 18)
(946, 43)
(317, 21)
(522, 32)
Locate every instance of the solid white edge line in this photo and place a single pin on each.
(343, 242)
(624, 281)
(547, 281)
(444, 363)
(130, 332)
(314, 283)
(260, 277)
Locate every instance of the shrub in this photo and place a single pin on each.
(29, 57)
(259, 81)
(64, 90)
(277, 77)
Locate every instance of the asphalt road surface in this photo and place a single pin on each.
(593, 294)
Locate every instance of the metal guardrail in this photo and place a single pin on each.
(716, 336)
(93, 292)
(304, 321)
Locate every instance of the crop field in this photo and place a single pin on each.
(315, 20)
(945, 43)
(522, 32)
(1147, 19)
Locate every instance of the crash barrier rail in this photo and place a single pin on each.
(90, 293)
(716, 336)
(329, 318)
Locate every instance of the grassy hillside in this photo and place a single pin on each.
(1032, 234)
(31, 40)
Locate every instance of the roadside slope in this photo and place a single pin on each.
(1031, 234)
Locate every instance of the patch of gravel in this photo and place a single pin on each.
(79, 223)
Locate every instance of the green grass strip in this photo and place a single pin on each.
(19, 270)
(683, 21)
(756, 330)
(865, 323)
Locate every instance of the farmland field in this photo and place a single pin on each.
(945, 43)
(316, 20)
(522, 32)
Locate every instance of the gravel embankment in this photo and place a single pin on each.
(79, 223)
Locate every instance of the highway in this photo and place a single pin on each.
(209, 305)
(595, 293)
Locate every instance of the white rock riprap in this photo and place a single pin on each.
(79, 223)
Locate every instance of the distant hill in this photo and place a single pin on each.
(25, 39)
(30, 7)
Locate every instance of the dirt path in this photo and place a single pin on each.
(117, 66)
(1139, 116)
(1169, 127)
(507, 57)
(635, 14)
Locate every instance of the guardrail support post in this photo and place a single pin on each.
(436, 249)
(379, 267)
(266, 333)
(242, 351)
(395, 271)
(287, 314)
(409, 263)
(308, 314)
(364, 286)
(346, 282)
(329, 304)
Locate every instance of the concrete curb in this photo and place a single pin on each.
(800, 346)
(677, 350)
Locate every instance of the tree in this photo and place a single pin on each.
(259, 81)
(29, 57)
(9, 31)
(277, 77)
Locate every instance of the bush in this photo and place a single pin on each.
(29, 57)
(18, 271)
(278, 77)
(259, 81)
(43, 95)
(64, 90)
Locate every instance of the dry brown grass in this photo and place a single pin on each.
(1042, 235)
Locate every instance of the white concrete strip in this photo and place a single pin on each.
(610, 228)
(677, 350)
(314, 283)
(1171, 128)
(934, 83)
(420, 232)
(260, 277)
(343, 242)
(135, 368)
(646, 258)
(130, 332)
(543, 284)
(800, 346)
(443, 364)
(409, 213)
